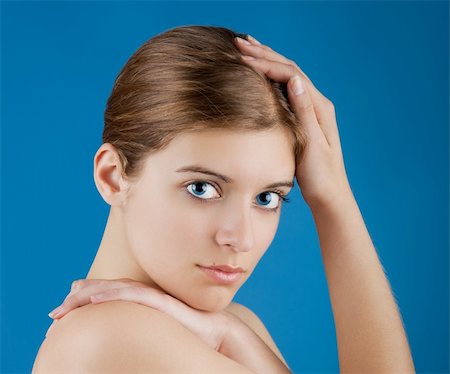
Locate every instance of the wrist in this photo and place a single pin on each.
(231, 336)
(246, 347)
(336, 201)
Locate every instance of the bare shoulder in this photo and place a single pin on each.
(120, 336)
(254, 322)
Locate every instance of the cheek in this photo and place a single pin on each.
(173, 232)
(265, 227)
(264, 235)
(162, 232)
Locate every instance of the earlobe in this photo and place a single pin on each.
(108, 174)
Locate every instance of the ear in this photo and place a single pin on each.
(108, 175)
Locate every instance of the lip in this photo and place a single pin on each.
(226, 268)
(223, 274)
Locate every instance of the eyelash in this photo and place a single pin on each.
(283, 197)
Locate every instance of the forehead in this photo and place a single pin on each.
(243, 154)
(275, 142)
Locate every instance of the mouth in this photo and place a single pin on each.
(223, 274)
(226, 268)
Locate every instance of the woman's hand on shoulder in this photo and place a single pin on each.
(211, 327)
(235, 332)
(121, 336)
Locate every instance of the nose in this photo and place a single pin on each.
(236, 230)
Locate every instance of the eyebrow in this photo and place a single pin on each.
(203, 170)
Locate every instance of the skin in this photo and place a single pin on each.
(159, 230)
(236, 227)
(370, 333)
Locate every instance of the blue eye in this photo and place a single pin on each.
(200, 190)
(267, 199)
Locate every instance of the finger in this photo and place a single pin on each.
(323, 109)
(253, 40)
(76, 286)
(259, 50)
(263, 51)
(82, 297)
(150, 297)
(269, 54)
(81, 283)
(303, 107)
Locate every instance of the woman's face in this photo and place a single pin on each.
(179, 220)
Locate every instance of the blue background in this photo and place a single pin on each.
(383, 64)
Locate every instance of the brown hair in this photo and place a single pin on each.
(186, 79)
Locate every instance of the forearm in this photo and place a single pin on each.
(369, 329)
(244, 346)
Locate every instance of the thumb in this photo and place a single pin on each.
(302, 104)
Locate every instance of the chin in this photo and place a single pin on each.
(209, 303)
(207, 298)
(210, 308)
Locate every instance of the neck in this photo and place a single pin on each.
(114, 259)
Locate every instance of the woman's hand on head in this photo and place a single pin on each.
(211, 327)
(321, 173)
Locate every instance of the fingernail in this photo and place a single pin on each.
(243, 41)
(253, 39)
(249, 58)
(297, 85)
(55, 312)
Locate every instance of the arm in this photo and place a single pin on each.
(124, 337)
(246, 347)
(369, 329)
(229, 334)
(253, 321)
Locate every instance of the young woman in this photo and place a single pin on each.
(204, 135)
